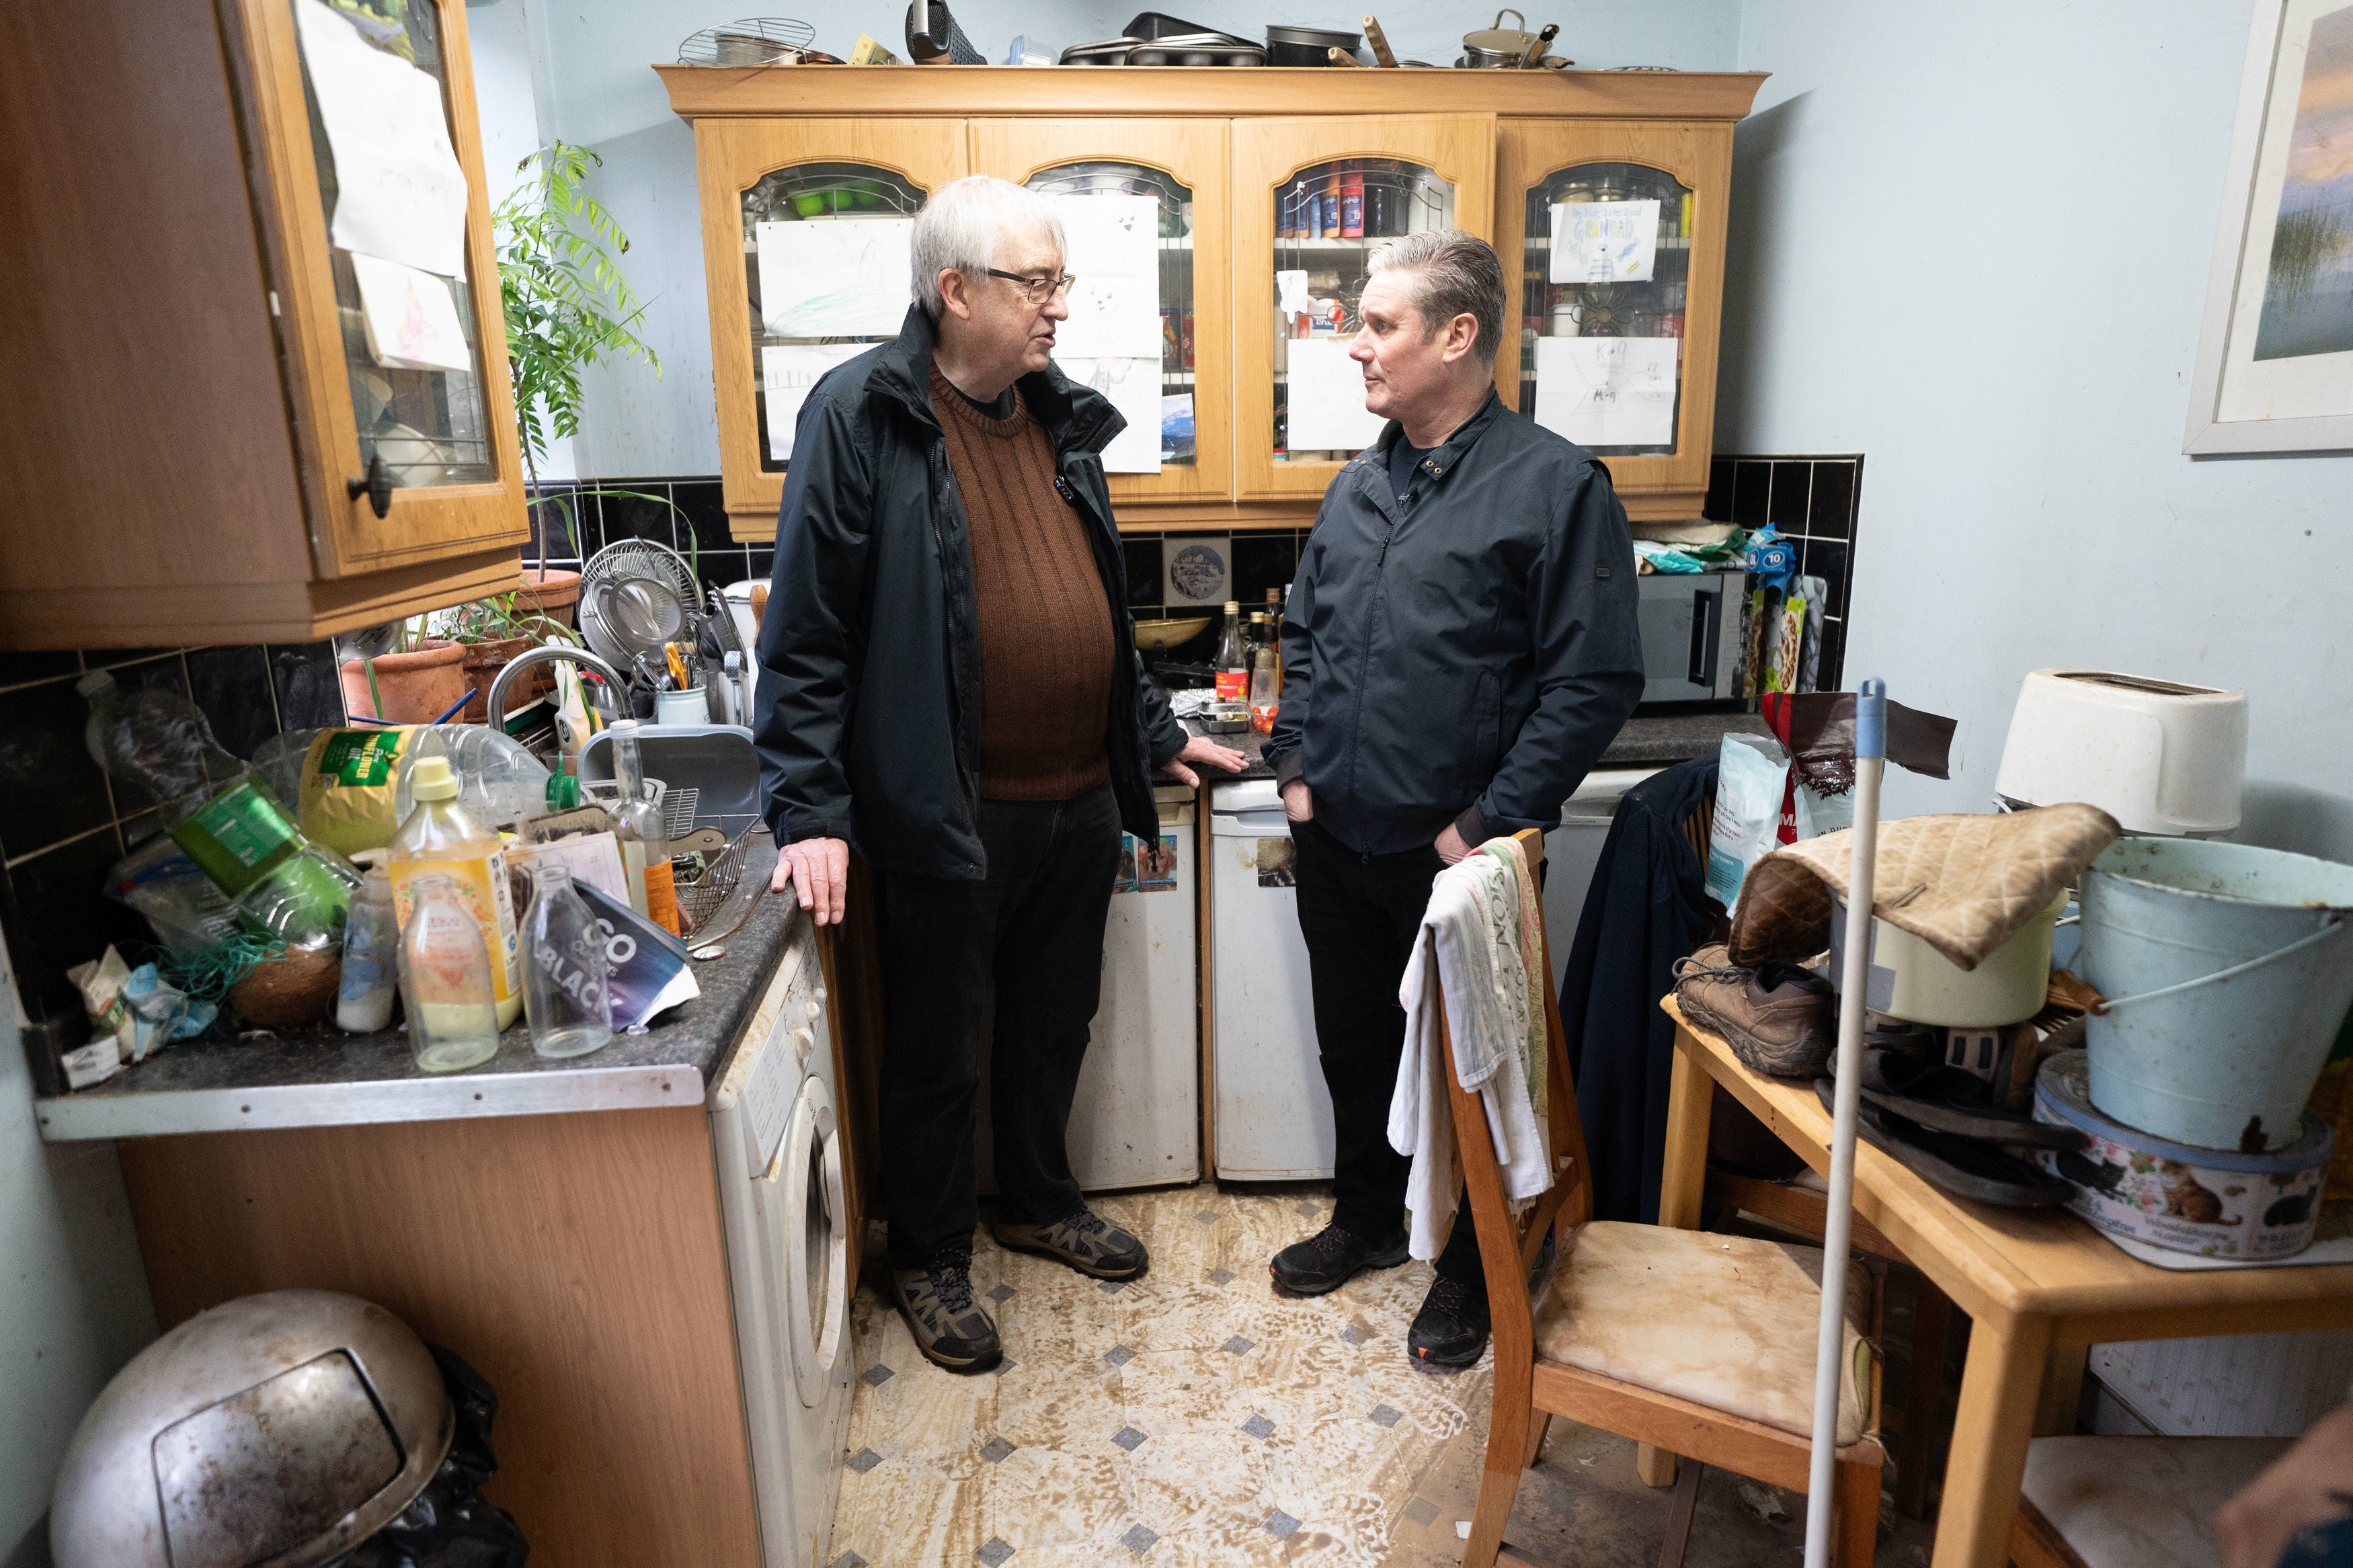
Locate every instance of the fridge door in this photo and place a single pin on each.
(1274, 1120)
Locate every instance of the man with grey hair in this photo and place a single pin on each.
(949, 680)
(1458, 649)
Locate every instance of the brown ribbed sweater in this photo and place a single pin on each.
(1045, 623)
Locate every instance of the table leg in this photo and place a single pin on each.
(2062, 1399)
(2000, 1392)
(1691, 1094)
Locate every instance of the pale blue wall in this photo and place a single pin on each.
(1972, 244)
(589, 64)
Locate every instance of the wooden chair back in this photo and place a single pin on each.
(1509, 1247)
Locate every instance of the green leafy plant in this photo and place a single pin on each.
(567, 306)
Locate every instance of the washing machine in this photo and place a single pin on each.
(784, 1210)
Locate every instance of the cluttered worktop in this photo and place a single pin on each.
(323, 1078)
(1660, 740)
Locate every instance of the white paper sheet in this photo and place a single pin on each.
(1608, 391)
(411, 320)
(1112, 246)
(400, 192)
(1110, 235)
(1604, 242)
(787, 372)
(834, 277)
(1328, 398)
(1133, 387)
(1290, 298)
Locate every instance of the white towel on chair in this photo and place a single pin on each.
(1468, 942)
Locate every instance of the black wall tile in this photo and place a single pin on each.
(1262, 561)
(18, 668)
(1831, 514)
(555, 522)
(1792, 483)
(631, 515)
(1717, 508)
(59, 916)
(232, 686)
(1143, 569)
(53, 788)
(310, 692)
(1752, 485)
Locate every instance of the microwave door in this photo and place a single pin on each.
(1688, 633)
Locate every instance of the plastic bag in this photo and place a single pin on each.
(190, 914)
(450, 1524)
(1750, 774)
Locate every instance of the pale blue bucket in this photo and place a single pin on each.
(2228, 969)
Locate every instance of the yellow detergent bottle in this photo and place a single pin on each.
(439, 838)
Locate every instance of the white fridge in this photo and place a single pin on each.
(1272, 1115)
(1136, 1120)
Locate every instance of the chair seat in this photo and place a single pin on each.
(2142, 1502)
(1726, 1322)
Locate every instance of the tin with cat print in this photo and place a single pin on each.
(2208, 1202)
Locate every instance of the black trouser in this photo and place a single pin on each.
(1359, 914)
(1035, 926)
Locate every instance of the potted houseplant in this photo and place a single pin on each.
(566, 307)
(420, 680)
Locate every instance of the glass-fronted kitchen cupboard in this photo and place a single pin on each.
(261, 395)
(1268, 190)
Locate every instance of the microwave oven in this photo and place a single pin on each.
(1690, 626)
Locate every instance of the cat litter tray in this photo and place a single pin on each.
(2207, 1202)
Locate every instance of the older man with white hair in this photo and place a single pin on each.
(949, 680)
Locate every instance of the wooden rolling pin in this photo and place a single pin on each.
(1382, 55)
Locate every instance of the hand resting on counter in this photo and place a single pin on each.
(818, 870)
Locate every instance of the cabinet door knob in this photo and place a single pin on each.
(377, 486)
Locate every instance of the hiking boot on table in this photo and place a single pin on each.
(1085, 1240)
(1778, 1019)
(1450, 1330)
(951, 1328)
(1332, 1256)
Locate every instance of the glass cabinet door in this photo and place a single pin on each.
(409, 408)
(833, 293)
(1619, 233)
(1315, 198)
(805, 229)
(1149, 328)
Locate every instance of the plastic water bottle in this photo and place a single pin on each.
(371, 958)
(563, 990)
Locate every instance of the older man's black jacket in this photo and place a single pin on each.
(868, 709)
(1464, 654)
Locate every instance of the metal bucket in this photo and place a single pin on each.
(2226, 970)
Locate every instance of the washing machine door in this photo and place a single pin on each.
(815, 1243)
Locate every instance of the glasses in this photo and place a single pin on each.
(1036, 291)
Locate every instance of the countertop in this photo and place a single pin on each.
(1658, 740)
(331, 1079)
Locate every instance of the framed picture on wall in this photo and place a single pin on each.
(2275, 357)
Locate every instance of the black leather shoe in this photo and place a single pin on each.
(1450, 1330)
(1331, 1257)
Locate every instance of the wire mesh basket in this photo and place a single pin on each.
(704, 883)
(754, 41)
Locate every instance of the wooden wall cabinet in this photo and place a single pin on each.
(192, 411)
(1481, 150)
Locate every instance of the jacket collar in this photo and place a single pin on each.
(1074, 417)
(1438, 464)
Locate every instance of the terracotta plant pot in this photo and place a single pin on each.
(556, 594)
(484, 662)
(417, 688)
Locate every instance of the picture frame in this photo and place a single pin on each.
(2275, 370)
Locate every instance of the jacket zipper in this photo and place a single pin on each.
(1364, 664)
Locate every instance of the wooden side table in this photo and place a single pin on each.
(2039, 1285)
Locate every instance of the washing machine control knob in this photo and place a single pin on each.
(802, 1042)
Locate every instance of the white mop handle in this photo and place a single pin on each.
(1855, 982)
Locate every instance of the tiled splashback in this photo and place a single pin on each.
(67, 822)
(1812, 501)
(686, 514)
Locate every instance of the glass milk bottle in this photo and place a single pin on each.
(445, 977)
(562, 968)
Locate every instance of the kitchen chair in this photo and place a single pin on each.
(2130, 1502)
(1611, 1335)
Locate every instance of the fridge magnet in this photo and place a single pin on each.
(2275, 354)
(1275, 863)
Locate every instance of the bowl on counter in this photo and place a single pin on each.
(1169, 633)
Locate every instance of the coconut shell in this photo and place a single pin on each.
(289, 992)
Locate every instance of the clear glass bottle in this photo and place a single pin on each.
(440, 836)
(1232, 664)
(371, 966)
(644, 835)
(445, 979)
(564, 968)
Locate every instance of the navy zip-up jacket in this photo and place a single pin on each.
(1463, 653)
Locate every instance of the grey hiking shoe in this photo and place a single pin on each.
(951, 1328)
(1085, 1240)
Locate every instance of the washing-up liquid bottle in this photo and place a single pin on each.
(438, 837)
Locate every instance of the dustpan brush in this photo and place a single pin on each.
(1854, 981)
